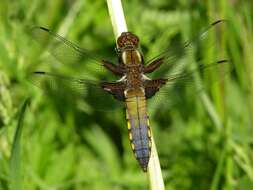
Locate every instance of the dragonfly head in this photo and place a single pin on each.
(127, 40)
(128, 48)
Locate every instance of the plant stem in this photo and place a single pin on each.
(154, 169)
(117, 17)
(119, 26)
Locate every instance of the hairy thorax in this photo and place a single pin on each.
(134, 68)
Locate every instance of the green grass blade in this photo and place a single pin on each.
(15, 175)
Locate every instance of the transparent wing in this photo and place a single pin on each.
(220, 67)
(172, 57)
(90, 91)
(172, 92)
(67, 52)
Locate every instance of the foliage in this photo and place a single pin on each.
(204, 142)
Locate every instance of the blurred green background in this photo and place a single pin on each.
(203, 143)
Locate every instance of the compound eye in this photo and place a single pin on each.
(135, 40)
(120, 43)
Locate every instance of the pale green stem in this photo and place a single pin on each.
(119, 26)
(117, 17)
(154, 169)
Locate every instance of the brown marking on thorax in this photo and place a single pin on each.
(134, 68)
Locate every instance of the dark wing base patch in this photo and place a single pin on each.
(116, 89)
(153, 86)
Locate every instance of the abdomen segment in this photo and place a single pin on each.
(138, 127)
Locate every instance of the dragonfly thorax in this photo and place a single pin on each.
(131, 57)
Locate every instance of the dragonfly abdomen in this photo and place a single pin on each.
(138, 128)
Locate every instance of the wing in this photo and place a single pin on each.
(71, 54)
(166, 92)
(98, 95)
(174, 58)
(176, 71)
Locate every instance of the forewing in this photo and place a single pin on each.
(91, 92)
(173, 56)
(67, 52)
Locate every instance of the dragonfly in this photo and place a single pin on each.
(137, 79)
